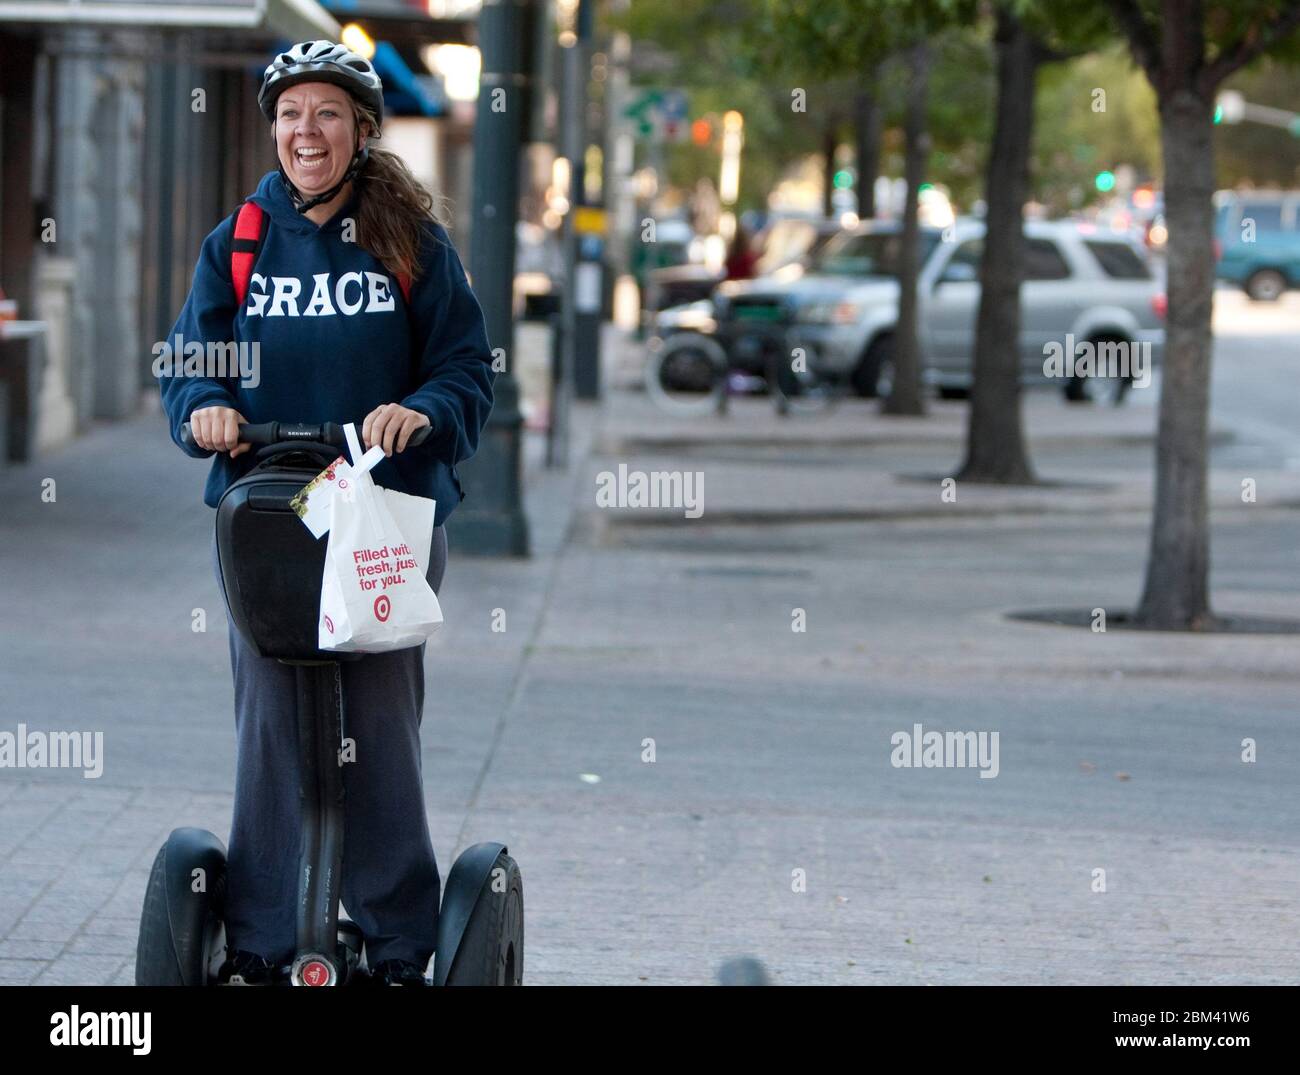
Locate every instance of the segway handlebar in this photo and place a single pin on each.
(263, 434)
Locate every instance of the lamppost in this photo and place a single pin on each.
(584, 224)
(492, 520)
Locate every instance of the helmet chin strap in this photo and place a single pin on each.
(305, 205)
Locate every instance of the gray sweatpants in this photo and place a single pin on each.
(390, 884)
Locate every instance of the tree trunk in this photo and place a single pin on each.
(866, 132)
(905, 395)
(1176, 594)
(828, 179)
(995, 443)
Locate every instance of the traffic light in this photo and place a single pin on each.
(843, 179)
(1105, 181)
(701, 132)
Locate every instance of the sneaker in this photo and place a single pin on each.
(246, 968)
(398, 972)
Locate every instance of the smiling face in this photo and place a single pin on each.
(315, 135)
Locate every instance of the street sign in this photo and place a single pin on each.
(659, 115)
(672, 103)
(639, 104)
(589, 220)
(586, 287)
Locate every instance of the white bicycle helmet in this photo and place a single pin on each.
(321, 61)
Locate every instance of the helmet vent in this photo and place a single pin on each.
(324, 61)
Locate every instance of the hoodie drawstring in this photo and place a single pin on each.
(304, 205)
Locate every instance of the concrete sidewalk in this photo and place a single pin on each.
(97, 602)
(683, 777)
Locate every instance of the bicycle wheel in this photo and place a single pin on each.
(801, 390)
(687, 373)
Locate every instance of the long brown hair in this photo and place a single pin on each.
(395, 207)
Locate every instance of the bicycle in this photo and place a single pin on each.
(689, 373)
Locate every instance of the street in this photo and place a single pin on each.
(1255, 375)
(770, 822)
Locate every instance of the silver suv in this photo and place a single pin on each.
(1085, 291)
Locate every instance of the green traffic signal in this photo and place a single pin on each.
(1105, 181)
(843, 179)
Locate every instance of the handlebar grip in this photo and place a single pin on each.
(262, 434)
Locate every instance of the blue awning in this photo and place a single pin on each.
(404, 93)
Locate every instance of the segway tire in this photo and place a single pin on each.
(491, 951)
(178, 925)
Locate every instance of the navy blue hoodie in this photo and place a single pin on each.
(336, 340)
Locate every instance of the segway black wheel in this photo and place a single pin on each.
(180, 926)
(491, 951)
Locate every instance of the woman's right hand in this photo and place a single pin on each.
(217, 429)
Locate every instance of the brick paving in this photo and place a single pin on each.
(1119, 751)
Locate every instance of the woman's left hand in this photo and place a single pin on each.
(391, 425)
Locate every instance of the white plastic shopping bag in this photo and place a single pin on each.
(414, 515)
(374, 595)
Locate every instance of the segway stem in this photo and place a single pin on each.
(320, 789)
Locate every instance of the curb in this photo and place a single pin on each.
(606, 519)
(616, 444)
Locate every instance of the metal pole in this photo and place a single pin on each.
(492, 520)
(619, 157)
(556, 322)
(583, 250)
(590, 289)
(571, 111)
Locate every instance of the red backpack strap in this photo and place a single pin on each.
(404, 282)
(244, 245)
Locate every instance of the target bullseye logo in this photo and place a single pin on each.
(329, 625)
(343, 483)
(383, 607)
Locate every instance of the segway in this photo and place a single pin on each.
(271, 569)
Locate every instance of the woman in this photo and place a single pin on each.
(347, 230)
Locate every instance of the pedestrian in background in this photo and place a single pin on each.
(741, 256)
